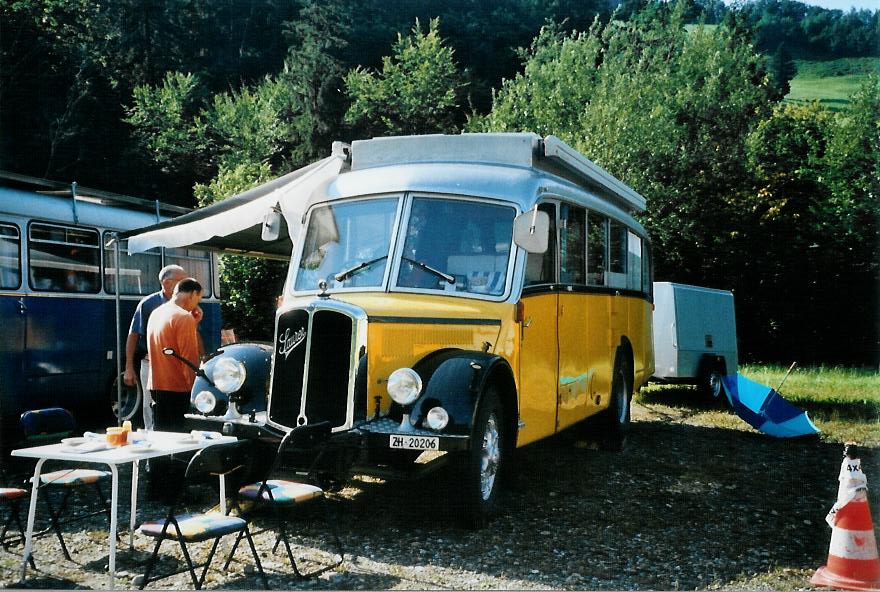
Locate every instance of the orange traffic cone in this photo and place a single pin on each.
(853, 563)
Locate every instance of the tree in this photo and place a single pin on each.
(249, 286)
(663, 109)
(782, 69)
(418, 90)
(313, 71)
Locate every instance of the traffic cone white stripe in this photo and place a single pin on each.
(853, 544)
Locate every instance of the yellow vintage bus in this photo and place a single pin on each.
(449, 298)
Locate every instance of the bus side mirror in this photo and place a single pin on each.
(531, 231)
(271, 225)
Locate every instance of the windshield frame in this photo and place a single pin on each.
(293, 272)
(449, 290)
(396, 248)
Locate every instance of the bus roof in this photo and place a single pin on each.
(54, 201)
(516, 167)
(549, 155)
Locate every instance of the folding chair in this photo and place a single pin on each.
(283, 494)
(10, 498)
(45, 426)
(220, 460)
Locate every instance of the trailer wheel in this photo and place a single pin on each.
(709, 381)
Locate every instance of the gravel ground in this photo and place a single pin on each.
(683, 507)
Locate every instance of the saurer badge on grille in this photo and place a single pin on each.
(289, 342)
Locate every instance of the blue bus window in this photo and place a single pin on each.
(10, 257)
(64, 259)
(197, 264)
(138, 273)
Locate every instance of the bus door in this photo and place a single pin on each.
(575, 363)
(64, 344)
(539, 354)
(12, 311)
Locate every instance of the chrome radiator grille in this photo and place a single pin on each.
(313, 347)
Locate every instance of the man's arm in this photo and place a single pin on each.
(188, 344)
(130, 346)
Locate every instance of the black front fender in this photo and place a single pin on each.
(455, 380)
(257, 359)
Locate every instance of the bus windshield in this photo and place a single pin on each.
(457, 246)
(347, 244)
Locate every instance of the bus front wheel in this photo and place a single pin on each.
(484, 462)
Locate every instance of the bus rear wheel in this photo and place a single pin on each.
(614, 424)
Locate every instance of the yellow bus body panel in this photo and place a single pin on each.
(395, 342)
(561, 355)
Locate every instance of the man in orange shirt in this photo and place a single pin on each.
(173, 326)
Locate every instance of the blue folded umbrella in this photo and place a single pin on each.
(766, 410)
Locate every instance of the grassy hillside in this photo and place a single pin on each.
(830, 82)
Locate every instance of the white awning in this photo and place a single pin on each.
(235, 224)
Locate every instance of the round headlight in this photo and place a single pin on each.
(437, 418)
(404, 385)
(228, 375)
(205, 402)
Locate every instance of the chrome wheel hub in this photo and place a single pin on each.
(490, 457)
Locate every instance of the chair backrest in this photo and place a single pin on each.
(300, 441)
(231, 459)
(47, 424)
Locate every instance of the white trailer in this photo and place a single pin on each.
(694, 335)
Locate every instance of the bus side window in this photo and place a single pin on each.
(572, 245)
(618, 245)
(634, 262)
(64, 259)
(197, 264)
(138, 273)
(597, 248)
(541, 267)
(10, 257)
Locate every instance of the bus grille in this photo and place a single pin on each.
(312, 347)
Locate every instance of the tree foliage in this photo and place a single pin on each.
(417, 91)
(248, 286)
(740, 195)
(780, 203)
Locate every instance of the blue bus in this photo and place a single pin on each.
(58, 316)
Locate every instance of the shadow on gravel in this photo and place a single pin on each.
(50, 583)
(681, 507)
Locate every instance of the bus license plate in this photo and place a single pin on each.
(414, 442)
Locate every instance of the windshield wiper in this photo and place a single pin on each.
(345, 274)
(421, 265)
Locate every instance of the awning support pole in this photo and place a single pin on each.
(118, 335)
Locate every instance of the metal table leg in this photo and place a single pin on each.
(114, 500)
(32, 510)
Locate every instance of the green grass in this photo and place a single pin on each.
(830, 82)
(843, 402)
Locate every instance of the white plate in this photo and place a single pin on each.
(144, 447)
(75, 441)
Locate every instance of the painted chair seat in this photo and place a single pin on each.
(195, 527)
(283, 492)
(11, 493)
(72, 477)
